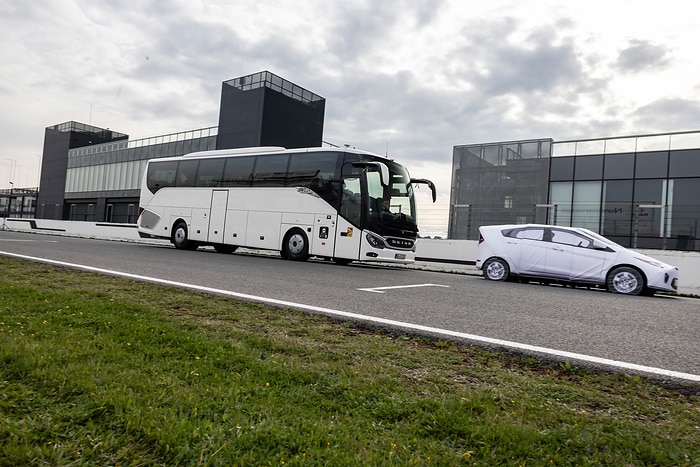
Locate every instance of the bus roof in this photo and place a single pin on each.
(264, 150)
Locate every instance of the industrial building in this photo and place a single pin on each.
(94, 174)
(640, 191)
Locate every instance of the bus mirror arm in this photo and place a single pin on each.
(381, 168)
(427, 182)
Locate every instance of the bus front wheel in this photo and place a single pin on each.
(295, 246)
(181, 239)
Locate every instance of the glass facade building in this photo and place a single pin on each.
(94, 174)
(640, 191)
(497, 183)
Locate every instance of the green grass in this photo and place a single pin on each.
(98, 370)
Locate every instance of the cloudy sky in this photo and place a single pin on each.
(407, 78)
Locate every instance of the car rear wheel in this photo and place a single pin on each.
(625, 280)
(496, 269)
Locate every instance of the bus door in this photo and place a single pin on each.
(217, 216)
(348, 234)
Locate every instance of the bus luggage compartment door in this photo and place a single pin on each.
(217, 216)
(324, 235)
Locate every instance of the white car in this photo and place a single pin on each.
(572, 255)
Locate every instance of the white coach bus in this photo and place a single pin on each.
(340, 204)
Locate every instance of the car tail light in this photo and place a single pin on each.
(481, 239)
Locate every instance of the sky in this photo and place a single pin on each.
(407, 79)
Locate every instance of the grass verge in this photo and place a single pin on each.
(98, 370)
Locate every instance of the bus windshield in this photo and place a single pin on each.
(392, 208)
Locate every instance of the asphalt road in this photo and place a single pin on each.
(591, 327)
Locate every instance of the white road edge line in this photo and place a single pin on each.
(381, 289)
(400, 324)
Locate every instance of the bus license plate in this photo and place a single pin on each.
(399, 256)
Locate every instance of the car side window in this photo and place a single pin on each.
(530, 234)
(570, 238)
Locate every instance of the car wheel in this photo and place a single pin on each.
(295, 246)
(180, 238)
(496, 269)
(625, 280)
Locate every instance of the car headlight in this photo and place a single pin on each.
(651, 262)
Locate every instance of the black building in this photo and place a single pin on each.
(58, 141)
(94, 174)
(265, 110)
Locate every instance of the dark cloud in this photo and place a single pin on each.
(414, 77)
(667, 115)
(642, 55)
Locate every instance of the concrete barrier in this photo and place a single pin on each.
(456, 252)
(431, 254)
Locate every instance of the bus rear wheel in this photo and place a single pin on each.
(181, 239)
(295, 246)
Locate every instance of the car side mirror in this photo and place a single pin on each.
(601, 246)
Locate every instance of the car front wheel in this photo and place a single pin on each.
(496, 269)
(626, 281)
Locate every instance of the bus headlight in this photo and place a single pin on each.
(375, 241)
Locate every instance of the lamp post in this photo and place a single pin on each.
(13, 165)
(38, 175)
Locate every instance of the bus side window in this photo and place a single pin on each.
(210, 172)
(161, 175)
(186, 172)
(270, 170)
(238, 171)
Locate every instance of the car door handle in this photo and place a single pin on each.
(558, 249)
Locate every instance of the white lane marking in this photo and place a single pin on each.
(400, 324)
(21, 240)
(381, 289)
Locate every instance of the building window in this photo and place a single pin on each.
(616, 216)
(685, 164)
(619, 166)
(561, 168)
(560, 195)
(589, 168)
(651, 165)
(585, 210)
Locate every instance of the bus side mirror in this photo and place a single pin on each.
(427, 182)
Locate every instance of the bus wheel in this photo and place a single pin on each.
(180, 239)
(225, 248)
(295, 246)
